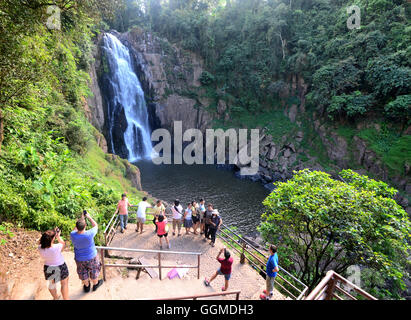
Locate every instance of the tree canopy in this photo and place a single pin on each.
(319, 224)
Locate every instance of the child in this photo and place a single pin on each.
(161, 223)
(224, 270)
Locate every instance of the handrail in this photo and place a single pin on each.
(325, 290)
(148, 250)
(205, 295)
(226, 237)
(159, 253)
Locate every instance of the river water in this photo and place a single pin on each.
(239, 201)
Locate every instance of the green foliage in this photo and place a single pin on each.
(49, 167)
(206, 78)
(319, 223)
(400, 108)
(351, 105)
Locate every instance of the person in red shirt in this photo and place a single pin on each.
(122, 210)
(224, 270)
(162, 230)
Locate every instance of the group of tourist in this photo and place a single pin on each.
(196, 217)
(85, 256)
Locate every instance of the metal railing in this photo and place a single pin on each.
(205, 295)
(159, 254)
(285, 282)
(332, 283)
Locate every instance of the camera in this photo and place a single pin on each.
(57, 230)
(84, 213)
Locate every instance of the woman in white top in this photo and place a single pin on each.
(177, 210)
(55, 269)
(188, 218)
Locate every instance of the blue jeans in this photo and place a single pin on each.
(123, 220)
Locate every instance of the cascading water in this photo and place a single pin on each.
(126, 107)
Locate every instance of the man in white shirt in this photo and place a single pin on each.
(141, 214)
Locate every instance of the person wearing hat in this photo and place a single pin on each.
(215, 222)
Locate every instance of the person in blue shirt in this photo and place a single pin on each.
(271, 270)
(85, 253)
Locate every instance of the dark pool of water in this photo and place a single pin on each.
(239, 201)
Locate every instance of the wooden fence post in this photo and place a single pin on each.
(103, 264)
(330, 288)
(159, 265)
(198, 267)
(242, 257)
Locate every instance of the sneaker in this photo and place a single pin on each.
(125, 228)
(122, 231)
(206, 282)
(212, 244)
(264, 297)
(86, 289)
(223, 289)
(99, 283)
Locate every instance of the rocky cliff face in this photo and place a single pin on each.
(169, 77)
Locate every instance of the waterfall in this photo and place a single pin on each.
(126, 108)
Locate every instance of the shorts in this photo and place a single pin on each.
(56, 273)
(226, 276)
(188, 223)
(90, 267)
(141, 220)
(163, 235)
(196, 219)
(269, 283)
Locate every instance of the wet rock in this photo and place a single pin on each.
(269, 186)
(287, 153)
(272, 153)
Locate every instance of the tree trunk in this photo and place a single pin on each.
(1, 128)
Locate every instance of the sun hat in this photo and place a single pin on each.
(215, 211)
